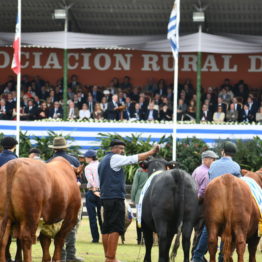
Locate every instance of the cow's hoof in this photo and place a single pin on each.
(76, 259)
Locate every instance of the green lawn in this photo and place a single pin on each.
(129, 252)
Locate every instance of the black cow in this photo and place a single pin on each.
(170, 200)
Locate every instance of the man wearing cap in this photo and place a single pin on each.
(34, 153)
(225, 165)
(93, 201)
(9, 145)
(112, 190)
(68, 253)
(200, 175)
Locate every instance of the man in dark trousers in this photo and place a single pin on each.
(69, 253)
(112, 191)
(9, 145)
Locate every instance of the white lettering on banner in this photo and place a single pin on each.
(226, 63)
(125, 63)
(168, 60)
(76, 56)
(210, 62)
(26, 55)
(37, 60)
(6, 59)
(189, 62)
(86, 61)
(255, 63)
(150, 63)
(52, 62)
(97, 61)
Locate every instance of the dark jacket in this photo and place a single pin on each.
(71, 159)
(112, 183)
(6, 156)
(155, 114)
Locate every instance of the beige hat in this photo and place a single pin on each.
(59, 143)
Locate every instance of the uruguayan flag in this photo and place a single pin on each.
(173, 28)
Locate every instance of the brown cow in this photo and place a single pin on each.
(232, 213)
(31, 189)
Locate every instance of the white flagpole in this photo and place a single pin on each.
(18, 84)
(175, 90)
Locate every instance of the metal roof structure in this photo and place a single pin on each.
(133, 17)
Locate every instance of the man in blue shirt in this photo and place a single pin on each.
(225, 165)
(9, 145)
(68, 253)
(112, 189)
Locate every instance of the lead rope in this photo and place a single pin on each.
(139, 250)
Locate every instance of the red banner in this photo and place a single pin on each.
(100, 66)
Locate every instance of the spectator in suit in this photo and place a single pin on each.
(30, 111)
(5, 113)
(246, 116)
(10, 102)
(73, 112)
(206, 115)
(97, 95)
(84, 113)
(221, 103)
(161, 88)
(151, 113)
(137, 113)
(126, 83)
(113, 106)
(219, 116)
(253, 106)
(90, 103)
(56, 111)
(232, 114)
(181, 109)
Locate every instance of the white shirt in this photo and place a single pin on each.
(84, 114)
(117, 161)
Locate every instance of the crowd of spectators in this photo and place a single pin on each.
(121, 100)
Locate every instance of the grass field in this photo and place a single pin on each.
(129, 252)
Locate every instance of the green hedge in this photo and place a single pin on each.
(189, 150)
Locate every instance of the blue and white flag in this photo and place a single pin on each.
(173, 28)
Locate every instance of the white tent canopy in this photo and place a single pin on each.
(230, 43)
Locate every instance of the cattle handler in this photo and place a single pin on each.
(68, 253)
(112, 190)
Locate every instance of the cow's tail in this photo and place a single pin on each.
(227, 234)
(6, 221)
(181, 178)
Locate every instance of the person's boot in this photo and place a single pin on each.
(112, 247)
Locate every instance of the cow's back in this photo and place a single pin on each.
(230, 205)
(24, 187)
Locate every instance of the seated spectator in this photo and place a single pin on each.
(220, 102)
(259, 115)
(98, 113)
(232, 114)
(104, 105)
(181, 109)
(253, 106)
(161, 88)
(129, 108)
(10, 102)
(245, 114)
(219, 116)
(90, 103)
(138, 113)
(42, 112)
(165, 113)
(126, 83)
(113, 112)
(97, 95)
(73, 112)
(56, 111)
(151, 113)
(30, 111)
(190, 115)
(206, 115)
(84, 113)
(5, 113)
